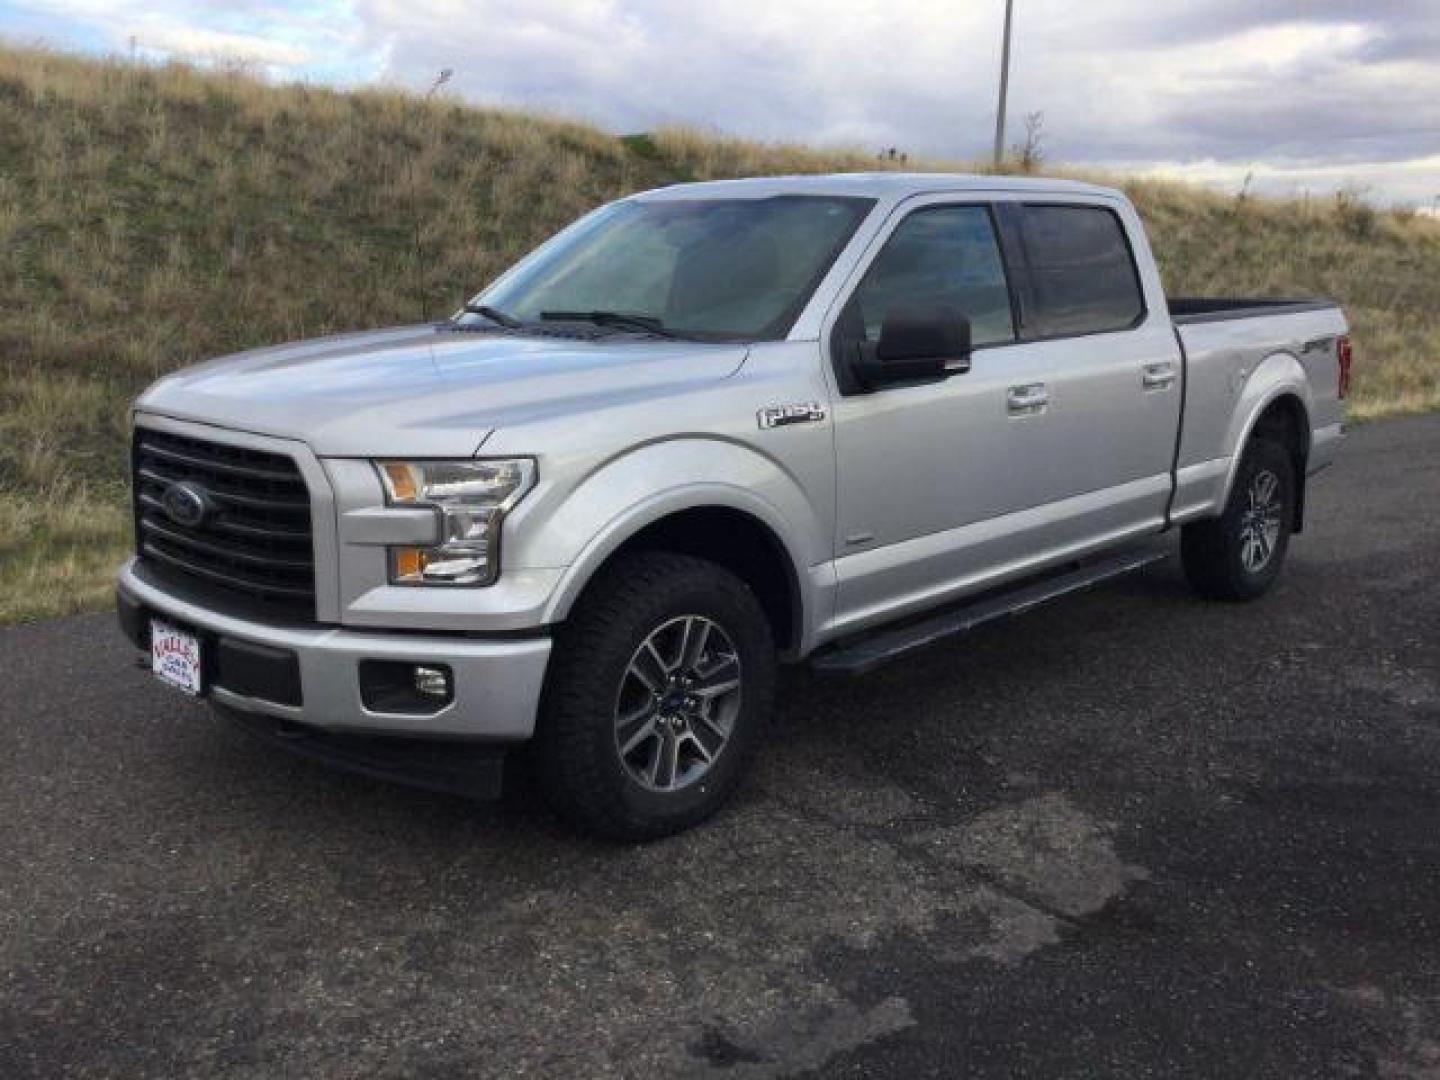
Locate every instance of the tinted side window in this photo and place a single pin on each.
(1084, 278)
(947, 254)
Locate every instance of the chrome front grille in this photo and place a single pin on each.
(229, 516)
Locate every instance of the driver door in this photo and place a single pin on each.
(917, 463)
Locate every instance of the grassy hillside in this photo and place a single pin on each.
(152, 217)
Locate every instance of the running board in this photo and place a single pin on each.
(880, 647)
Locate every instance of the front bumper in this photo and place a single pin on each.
(310, 675)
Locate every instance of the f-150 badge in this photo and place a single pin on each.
(804, 412)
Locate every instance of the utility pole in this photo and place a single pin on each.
(420, 279)
(1004, 88)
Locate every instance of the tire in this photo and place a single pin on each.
(1238, 555)
(605, 737)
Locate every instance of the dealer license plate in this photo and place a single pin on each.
(175, 656)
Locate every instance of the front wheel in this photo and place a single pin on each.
(660, 683)
(1238, 555)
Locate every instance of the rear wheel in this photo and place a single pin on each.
(1238, 555)
(660, 682)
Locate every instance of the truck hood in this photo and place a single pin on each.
(427, 391)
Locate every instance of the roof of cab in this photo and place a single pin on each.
(885, 186)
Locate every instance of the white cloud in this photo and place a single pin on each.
(304, 38)
(1414, 182)
(195, 41)
(802, 69)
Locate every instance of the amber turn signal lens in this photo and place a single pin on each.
(409, 562)
(402, 481)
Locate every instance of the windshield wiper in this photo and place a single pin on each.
(621, 320)
(495, 315)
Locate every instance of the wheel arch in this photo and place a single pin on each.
(765, 531)
(1275, 405)
(740, 538)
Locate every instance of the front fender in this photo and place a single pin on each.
(654, 481)
(1278, 375)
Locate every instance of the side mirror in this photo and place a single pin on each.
(918, 343)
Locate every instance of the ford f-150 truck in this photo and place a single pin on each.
(703, 431)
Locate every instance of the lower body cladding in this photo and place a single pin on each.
(433, 710)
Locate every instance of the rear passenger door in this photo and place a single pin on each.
(1050, 444)
(1110, 388)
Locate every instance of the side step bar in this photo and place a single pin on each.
(880, 647)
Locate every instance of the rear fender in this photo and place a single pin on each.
(1278, 375)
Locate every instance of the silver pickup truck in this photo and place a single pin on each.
(703, 431)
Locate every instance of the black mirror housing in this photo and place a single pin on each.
(918, 343)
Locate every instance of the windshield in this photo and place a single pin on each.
(713, 269)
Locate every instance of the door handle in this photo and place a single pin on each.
(1158, 376)
(1027, 400)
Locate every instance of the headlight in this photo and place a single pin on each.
(472, 498)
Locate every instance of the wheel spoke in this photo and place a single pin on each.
(1265, 489)
(654, 654)
(667, 754)
(725, 670)
(1247, 552)
(718, 689)
(634, 729)
(719, 680)
(703, 751)
(649, 669)
(692, 644)
(707, 733)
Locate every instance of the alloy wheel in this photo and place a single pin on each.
(1260, 521)
(677, 703)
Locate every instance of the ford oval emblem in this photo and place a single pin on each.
(186, 504)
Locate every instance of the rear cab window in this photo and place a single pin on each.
(1082, 274)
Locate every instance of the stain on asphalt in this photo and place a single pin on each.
(1045, 849)
(1131, 835)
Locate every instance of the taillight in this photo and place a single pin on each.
(1343, 354)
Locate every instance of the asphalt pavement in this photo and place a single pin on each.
(1132, 834)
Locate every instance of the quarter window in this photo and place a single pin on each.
(1081, 270)
(941, 255)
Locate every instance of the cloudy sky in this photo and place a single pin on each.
(1303, 94)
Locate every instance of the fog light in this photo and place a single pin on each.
(401, 687)
(432, 682)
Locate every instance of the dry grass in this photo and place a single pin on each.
(59, 547)
(1384, 268)
(151, 217)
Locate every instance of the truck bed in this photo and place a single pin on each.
(1198, 309)
(1233, 349)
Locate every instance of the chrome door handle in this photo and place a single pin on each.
(1158, 376)
(1027, 400)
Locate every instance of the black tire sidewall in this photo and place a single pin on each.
(722, 776)
(597, 646)
(1260, 455)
